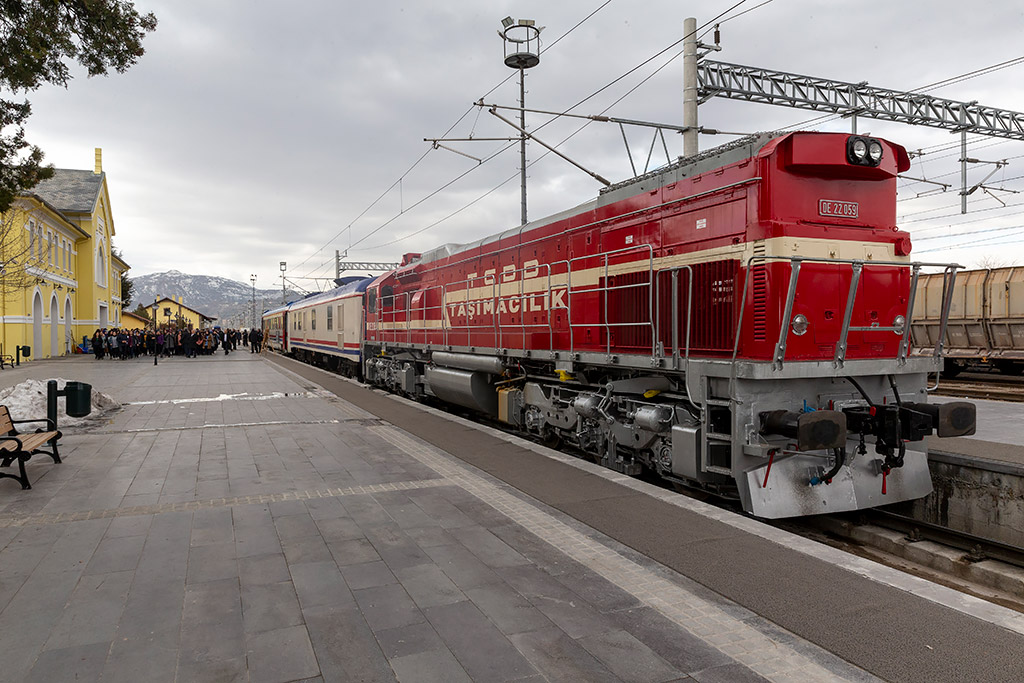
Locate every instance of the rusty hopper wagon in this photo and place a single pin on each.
(986, 320)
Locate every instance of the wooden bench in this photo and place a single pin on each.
(21, 446)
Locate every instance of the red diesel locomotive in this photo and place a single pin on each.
(738, 321)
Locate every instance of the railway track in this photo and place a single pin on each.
(989, 386)
(976, 548)
(859, 533)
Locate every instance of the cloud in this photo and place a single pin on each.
(256, 132)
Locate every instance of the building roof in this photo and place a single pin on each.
(137, 317)
(71, 191)
(168, 299)
(56, 213)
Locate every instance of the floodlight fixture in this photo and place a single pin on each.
(521, 41)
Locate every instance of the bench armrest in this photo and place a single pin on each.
(15, 439)
(49, 423)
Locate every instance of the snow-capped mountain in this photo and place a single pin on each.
(227, 300)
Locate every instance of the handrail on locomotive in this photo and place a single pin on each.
(857, 265)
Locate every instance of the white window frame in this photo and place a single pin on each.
(103, 274)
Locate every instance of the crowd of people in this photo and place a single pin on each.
(122, 344)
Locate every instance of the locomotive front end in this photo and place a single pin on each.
(831, 405)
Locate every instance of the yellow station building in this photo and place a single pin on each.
(172, 311)
(130, 321)
(59, 281)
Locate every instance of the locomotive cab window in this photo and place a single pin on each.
(387, 297)
(371, 301)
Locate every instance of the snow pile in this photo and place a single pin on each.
(27, 401)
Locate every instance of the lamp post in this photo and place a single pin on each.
(252, 278)
(522, 51)
(284, 294)
(156, 349)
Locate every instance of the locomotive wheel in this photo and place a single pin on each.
(552, 440)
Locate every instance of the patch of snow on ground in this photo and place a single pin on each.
(27, 401)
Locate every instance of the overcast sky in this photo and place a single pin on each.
(257, 132)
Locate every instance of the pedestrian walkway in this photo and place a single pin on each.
(235, 522)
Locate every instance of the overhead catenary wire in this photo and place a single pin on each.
(942, 147)
(988, 241)
(718, 18)
(449, 130)
(955, 79)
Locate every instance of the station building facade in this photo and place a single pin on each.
(131, 321)
(59, 280)
(173, 312)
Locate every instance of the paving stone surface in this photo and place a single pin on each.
(235, 522)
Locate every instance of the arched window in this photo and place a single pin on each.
(101, 265)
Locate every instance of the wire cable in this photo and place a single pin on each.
(581, 128)
(449, 130)
(510, 146)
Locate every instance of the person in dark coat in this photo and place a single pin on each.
(97, 344)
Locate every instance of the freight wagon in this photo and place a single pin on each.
(986, 320)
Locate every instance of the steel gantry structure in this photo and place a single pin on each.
(754, 84)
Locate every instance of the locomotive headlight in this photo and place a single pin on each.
(799, 324)
(859, 149)
(875, 152)
(862, 151)
(899, 324)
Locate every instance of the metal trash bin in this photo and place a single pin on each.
(78, 398)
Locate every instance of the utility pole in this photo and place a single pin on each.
(522, 140)
(284, 292)
(156, 349)
(252, 278)
(690, 87)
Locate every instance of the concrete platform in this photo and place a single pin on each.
(248, 520)
(999, 439)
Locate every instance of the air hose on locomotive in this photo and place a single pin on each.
(840, 459)
(883, 422)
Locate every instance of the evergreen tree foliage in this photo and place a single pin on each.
(39, 39)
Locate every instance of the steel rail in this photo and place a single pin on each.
(977, 547)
